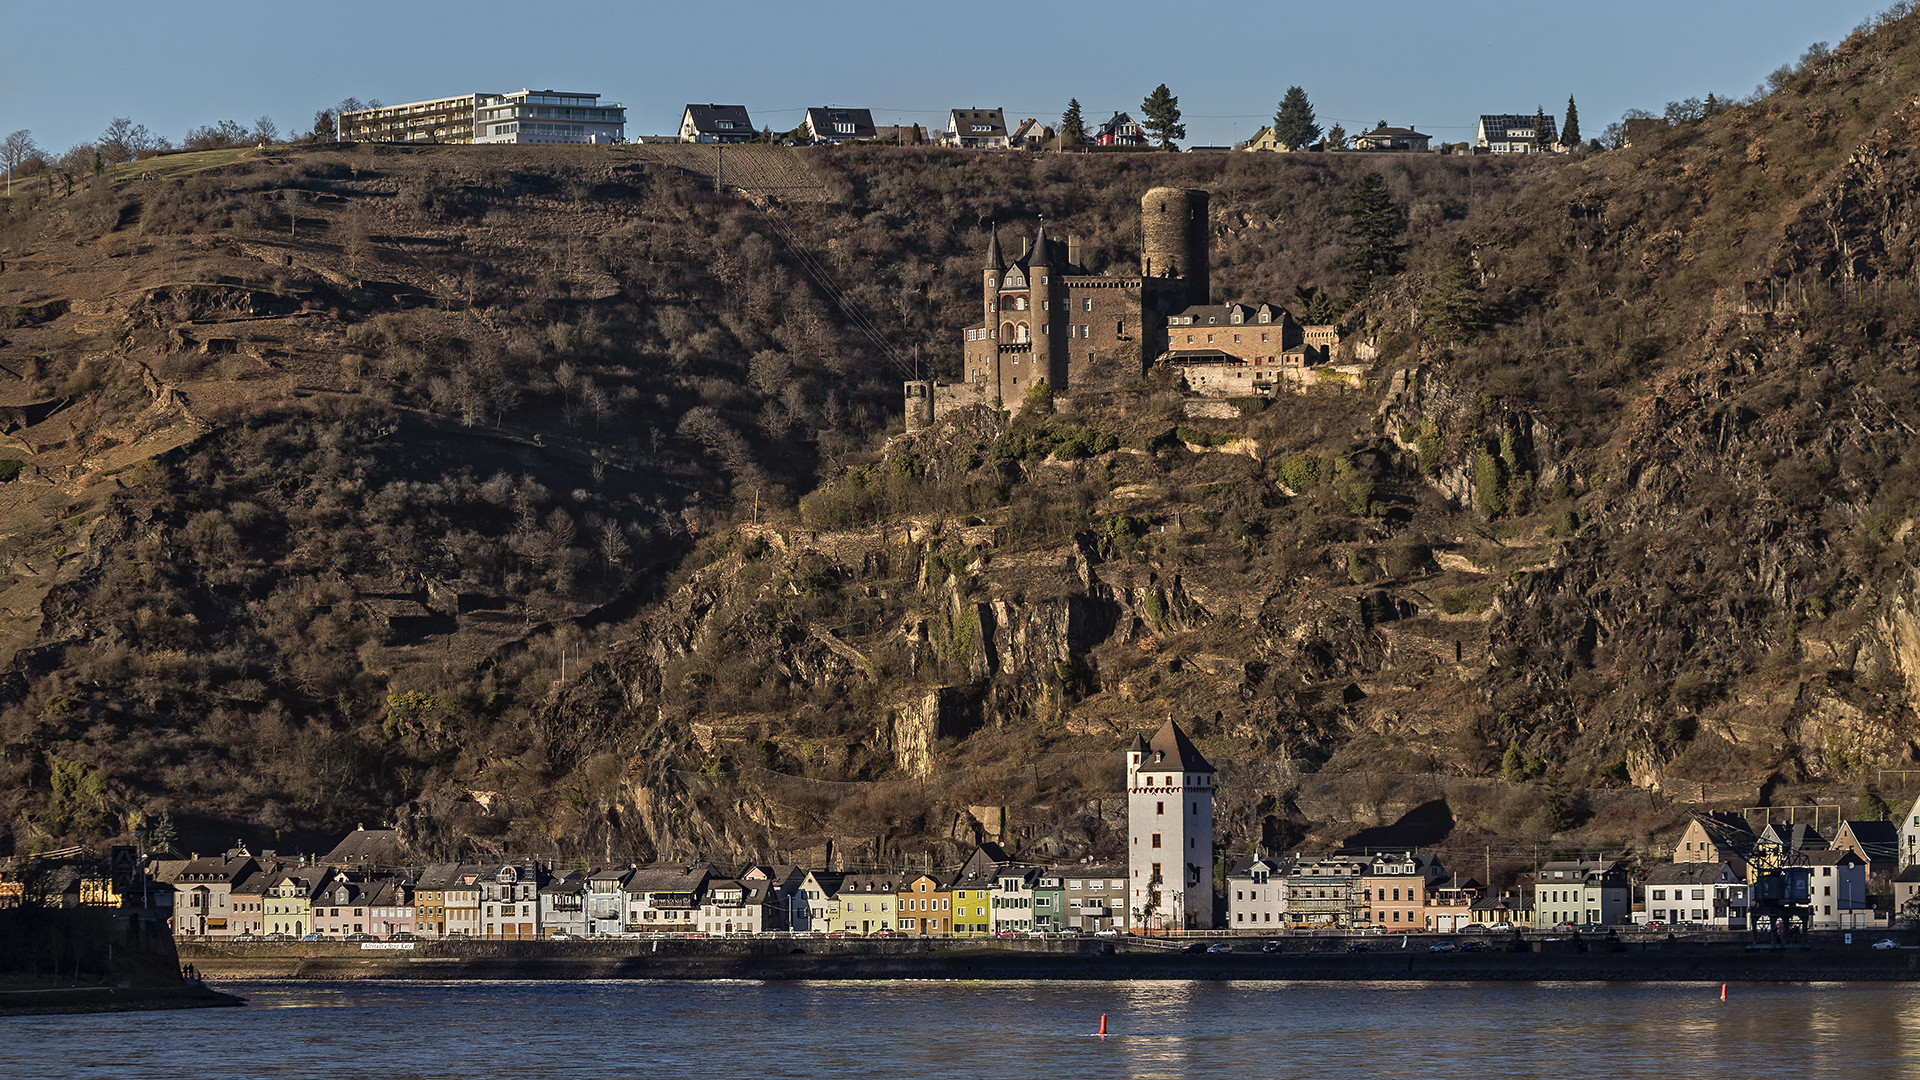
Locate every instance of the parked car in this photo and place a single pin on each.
(313, 937)
(1219, 947)
(247, 937)
(1475, 928)
(1194, 947)
(1270, 947)
(1356, 946)
(1473, 946)
(1108, 932)
(1886, 943)
(403, 936)
(1443, 946)
(276, 936)
(884, 933)
(361, 937)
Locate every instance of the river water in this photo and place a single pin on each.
(994, 1031)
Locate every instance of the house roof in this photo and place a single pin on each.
(570, 883)
(1879, 839)
(1832, 857)
(1222, 314)
(1495, 125)
(969, 123)
(824, 123)
(1728, 832)
(1245, 865)
(211, 869)
(1385, 132)
(438, 876)
(1172, 744)
(1798, 837)
(363, 845)
(1686, 873)
(1911, 873)
(706, 119)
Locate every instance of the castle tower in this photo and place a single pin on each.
(919, 396)
(1044, 279)
(1170, 833)
(996, 267)
(1174, 239)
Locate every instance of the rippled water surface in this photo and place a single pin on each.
(1003, 1031)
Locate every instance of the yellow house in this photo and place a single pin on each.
(865, 904)
(289, 901)
(972, 892)
(1264, 140)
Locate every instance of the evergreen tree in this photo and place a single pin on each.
(1336, 137)
(1540, 140)
(1570, 131)
(1451, 309)
(1372, 234)
(1073, 126)
(1293, 125)
(1161, 112)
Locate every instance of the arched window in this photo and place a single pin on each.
(1019, 303)
(1020, 333)
(1006, 331)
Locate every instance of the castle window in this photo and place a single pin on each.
(1088, 302)
(993, 305)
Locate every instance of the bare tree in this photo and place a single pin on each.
(17, 150)
(265, 131)
(124, 140)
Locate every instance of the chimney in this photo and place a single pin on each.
(1073, 250)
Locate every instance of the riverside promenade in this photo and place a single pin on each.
(1323, 958)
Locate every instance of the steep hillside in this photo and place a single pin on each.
(550, 499)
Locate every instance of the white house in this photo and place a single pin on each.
(1703, 893)
(977, 129)
(1513, 133)
(1170, 826)
(716, 124)
(1257, 895)
(1581, 893)
(1836, 890)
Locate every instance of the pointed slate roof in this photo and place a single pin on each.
(1172, 744)
(994, 259)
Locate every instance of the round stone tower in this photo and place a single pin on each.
(1173, 238)
(919, 405)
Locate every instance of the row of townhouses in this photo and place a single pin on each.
(1725, 873)
(573, 116)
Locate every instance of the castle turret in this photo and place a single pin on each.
(1044, 277)
(995, 269)
(1174, 239)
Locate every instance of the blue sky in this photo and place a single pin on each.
(71, 68)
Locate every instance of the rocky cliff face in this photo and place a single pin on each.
(606, 549)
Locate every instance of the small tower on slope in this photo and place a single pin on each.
(1170, 833)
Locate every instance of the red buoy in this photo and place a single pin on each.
(1723, 991)
(1103, 1023)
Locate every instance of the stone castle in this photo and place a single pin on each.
(1049, 320)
